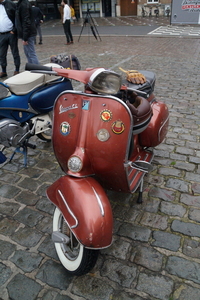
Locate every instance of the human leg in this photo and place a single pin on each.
(3, 53)
(65, 26)
(68, 29)
(29, 51)
(13, 41)
(39, 31)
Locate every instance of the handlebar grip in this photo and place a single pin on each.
(31, 67)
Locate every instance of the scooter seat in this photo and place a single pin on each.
(25, 82)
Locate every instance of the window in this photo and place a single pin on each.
(152, 1)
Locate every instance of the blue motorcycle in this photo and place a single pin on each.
(26, 104)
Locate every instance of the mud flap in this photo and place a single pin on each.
(86, 209)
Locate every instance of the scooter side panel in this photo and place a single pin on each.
(85, 208)
(43, 99)
(157, 129)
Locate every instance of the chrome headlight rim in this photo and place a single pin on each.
(75, 164)
(101, 74)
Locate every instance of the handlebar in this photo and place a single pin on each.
(32, 67)
(40, 69)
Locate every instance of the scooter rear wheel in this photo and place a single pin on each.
(76, 259)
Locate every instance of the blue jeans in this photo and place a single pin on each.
(29, 51)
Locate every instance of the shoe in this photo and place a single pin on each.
(71, 42)
(40, 43)
(67, 43)
(15, 73)
(3, 74)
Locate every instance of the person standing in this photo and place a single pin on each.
(38, 17)
(26, 29)
(67, 22)
(8, 36)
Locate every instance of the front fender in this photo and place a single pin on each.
(86, 209)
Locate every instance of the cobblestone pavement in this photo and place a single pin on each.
(155, 253)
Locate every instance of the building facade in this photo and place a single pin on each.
(105, 8)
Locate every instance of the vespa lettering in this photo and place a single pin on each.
(64, 109)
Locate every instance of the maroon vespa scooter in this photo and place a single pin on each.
(103, 138)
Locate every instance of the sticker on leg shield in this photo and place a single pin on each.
(65, 128)
(118, 127)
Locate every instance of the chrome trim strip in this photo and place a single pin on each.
(71, 213)
(99, 202)
(162, 127)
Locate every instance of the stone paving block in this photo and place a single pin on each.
(124, 275)
(166, 240)
(27, 237)
(91, 288)
(172, 209)
(23, 288)
(8, 226)
(9, 209)
(146, 257)
(28, 217)
(189, 293)
(47, 247)
(183, 268)
(6, 249)
(54, 274)
(194, 214)
(155, 221)
(26, 261)
(190, 200)
(196, 188)
(119, 249)
(163, 194)
(190, 229)
(177, 184)
(5, 273)
(27, 198)
(134, 232)
(126, 296)
(191, 248)
(9, 191)
(160, 287)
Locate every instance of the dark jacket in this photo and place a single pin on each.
(10, 8)
(24, 20)
(37, 15)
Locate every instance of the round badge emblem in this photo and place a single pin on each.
(103, 135)
(118, 127)
(106, 115)
(65, 128)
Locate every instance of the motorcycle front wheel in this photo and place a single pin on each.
(76, 259)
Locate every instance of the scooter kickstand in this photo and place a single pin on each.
(139, 200)
(24, 152)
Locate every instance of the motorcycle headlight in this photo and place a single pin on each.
(105, 82)
(75, 164)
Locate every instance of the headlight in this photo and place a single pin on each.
(105, 82)
(75, 164)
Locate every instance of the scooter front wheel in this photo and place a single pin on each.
(76, 259)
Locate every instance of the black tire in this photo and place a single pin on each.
(76, 259)
(44, 136)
